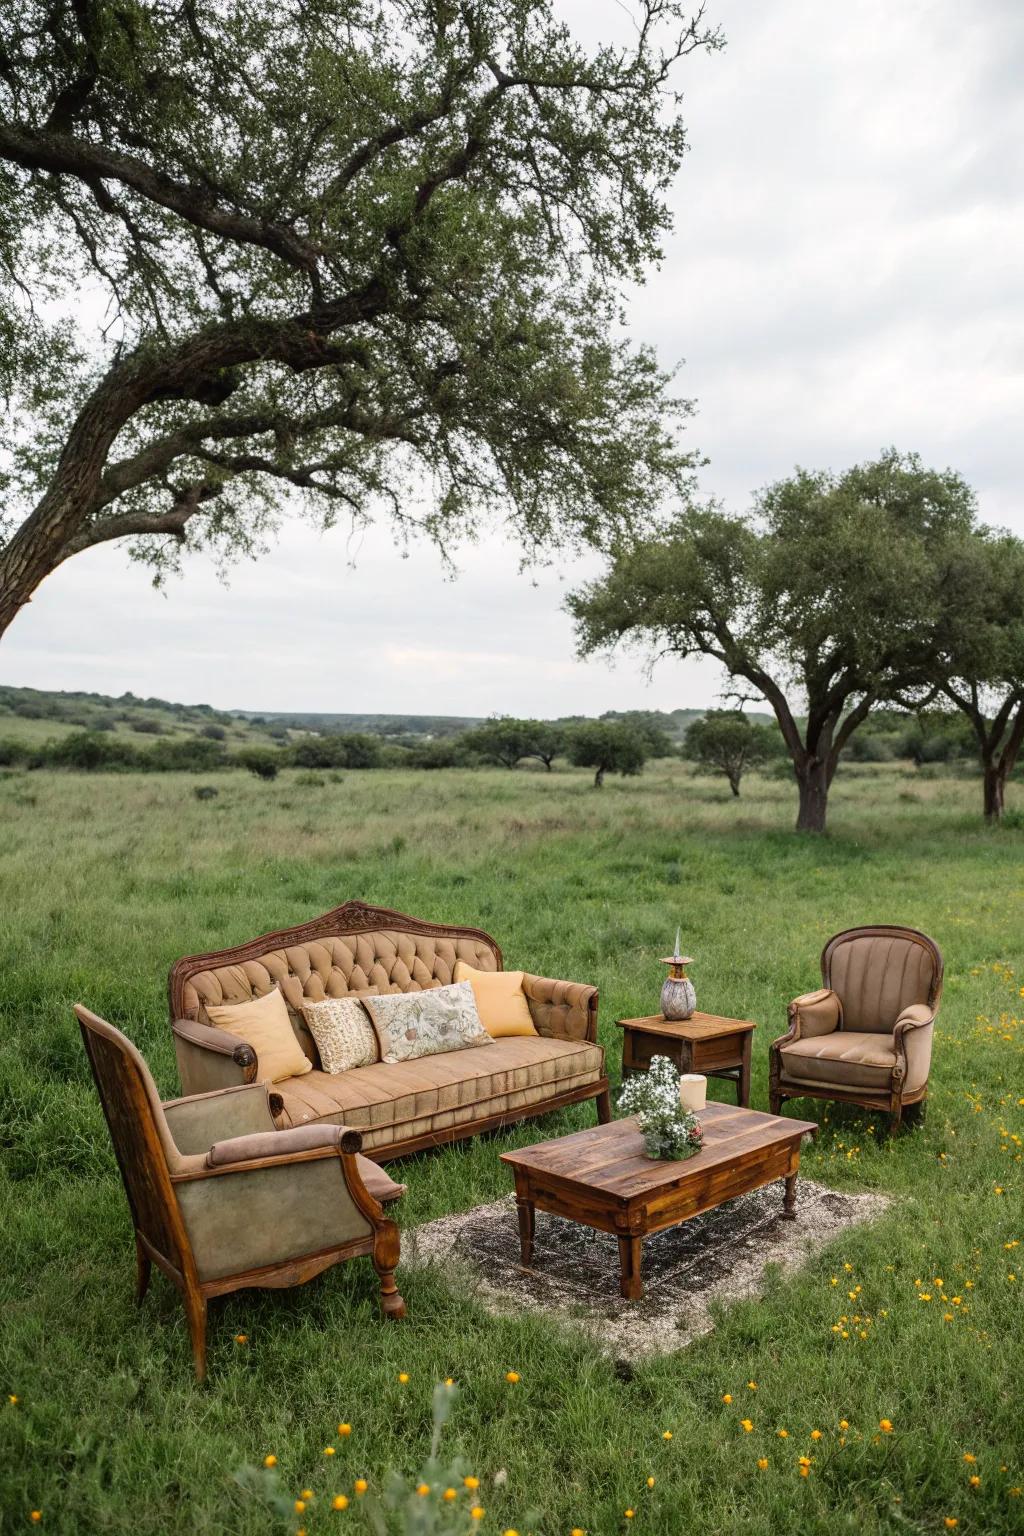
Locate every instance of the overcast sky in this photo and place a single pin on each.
(844, 274)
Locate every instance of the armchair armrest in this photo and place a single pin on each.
(562, 1010)
(196, 1121)
(815, 1013)
(269, 1145)
(912, 1042)
(211, 1058)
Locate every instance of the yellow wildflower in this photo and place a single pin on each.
(339, 1501)
(885, 1425)
(344, 1429)
(512, 1376)
(270, 1461)
(762, 1463)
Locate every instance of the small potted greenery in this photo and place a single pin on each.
(671, 1133)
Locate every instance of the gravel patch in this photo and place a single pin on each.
(719, 1257)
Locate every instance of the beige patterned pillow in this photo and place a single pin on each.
(343, 1033)
(411, 1024)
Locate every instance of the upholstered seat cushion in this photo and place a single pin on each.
(848, 1057)
(389, 1103)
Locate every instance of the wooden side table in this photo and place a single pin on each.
(702, 1043)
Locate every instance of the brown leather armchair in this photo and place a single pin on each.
(866, 1036)
(222, 1200)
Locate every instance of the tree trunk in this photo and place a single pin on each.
(995, 785)
(734, 784)
(599, 778)
(812, 779)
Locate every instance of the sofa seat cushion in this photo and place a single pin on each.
(435, 1093)
(847, 1057)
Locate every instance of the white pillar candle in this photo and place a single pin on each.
(693, 1091)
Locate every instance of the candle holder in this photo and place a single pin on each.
(678, 996)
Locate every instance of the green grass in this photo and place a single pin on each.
(105, 880)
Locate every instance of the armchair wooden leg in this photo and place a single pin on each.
(391, 1303)
(604, 1107)
(775, 1101)
(143, 1267)
(195, 1306)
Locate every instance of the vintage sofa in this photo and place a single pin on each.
(865, 1037)
(395, 1108)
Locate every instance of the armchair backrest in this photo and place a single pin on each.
(350, 949)
(142, 1141)
(878, 971)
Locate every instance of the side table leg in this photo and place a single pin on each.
(527, 1223)
(789, 1204)
(630, 1252)
(743, 1081)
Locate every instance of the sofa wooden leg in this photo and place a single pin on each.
(143, 1268)
(195, 1306)
(604, 1107)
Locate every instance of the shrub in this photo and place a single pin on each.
(205, 792)
(12, 753)
(264, 762)
(146, 726)
(213, 732)
(90, 751)
(183, 754)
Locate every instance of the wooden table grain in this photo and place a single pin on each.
(603, 1179)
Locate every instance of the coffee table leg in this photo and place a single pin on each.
(789, 1204)
(527, 1223)
(630, 1283)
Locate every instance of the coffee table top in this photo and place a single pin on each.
(610, 1159)
(699, 1026)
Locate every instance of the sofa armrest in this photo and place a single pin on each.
(199, 1119)
(211, 1058)
(274, 1144)
(912, 1042)
(562, 1010)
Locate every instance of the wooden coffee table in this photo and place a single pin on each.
(704, 1042)
(602, 1178)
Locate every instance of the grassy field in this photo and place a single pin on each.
(105, 880)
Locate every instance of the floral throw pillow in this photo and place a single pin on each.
(343, 1033)
(411, 1024)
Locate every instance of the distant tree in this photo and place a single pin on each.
(501, 740)
(546, 741)
(605, 747)
(448, 752)
(264, 762)
(823, 602)
(343, 246)
(729, 742)
(89, 750)
(975, 656)
(648, 725)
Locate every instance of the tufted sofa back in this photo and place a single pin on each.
(877, 972)
(355, 948)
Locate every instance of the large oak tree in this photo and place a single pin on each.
(823, 602)
(368, 251)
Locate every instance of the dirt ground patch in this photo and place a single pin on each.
(719, 1257)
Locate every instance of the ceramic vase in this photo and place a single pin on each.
(678, 998)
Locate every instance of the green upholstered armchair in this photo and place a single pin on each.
(221, 1199)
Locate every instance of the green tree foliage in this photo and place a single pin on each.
(728, 742)
(351, 251)
(607, 748)
(507, 741)
(823, 601)
(647, 724)
(976, 657)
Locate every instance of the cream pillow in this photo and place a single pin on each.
(500, 1000)
(343, 1033)
(263, 1023)
(411, 1024)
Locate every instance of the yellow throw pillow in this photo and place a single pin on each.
(500, 1000)
(264, 1024)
